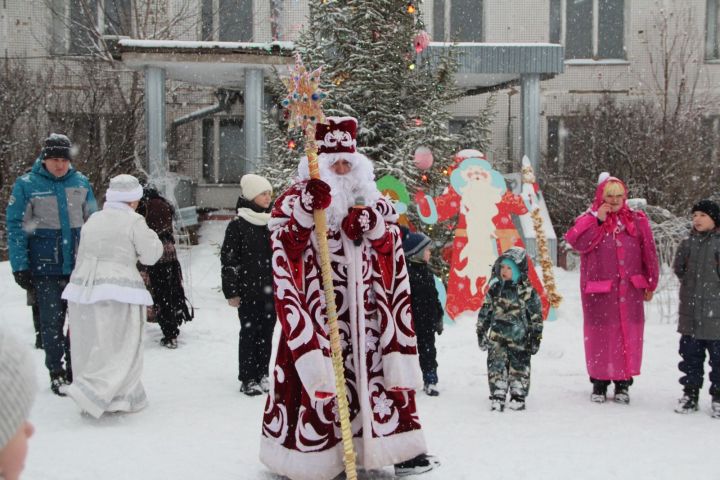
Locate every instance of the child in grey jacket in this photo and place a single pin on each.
(697, 265)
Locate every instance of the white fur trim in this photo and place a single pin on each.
(378, 230)
(316, 373)
(124, 196)
(301, 215)
(372, 453)
(602, 177)
(98, 293)
(402, 371)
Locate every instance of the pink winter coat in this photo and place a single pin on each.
(618, 263)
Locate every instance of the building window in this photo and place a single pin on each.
(712, 42)
(589, 29)
(224, 158)
(77, 24)
(227, 20)
(711, 129)
(565, 142)
(458, 20)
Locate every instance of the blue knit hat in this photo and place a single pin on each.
(414, 243)
(513, 266)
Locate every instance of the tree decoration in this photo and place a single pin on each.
(423, 158)
(304, 102)
(411, 8)
(421, 41)
(530, 193)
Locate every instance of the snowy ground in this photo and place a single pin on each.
(198, 426)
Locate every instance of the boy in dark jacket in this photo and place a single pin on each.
(426, 308)
(510, 328)
(697, 265)
(247, 282)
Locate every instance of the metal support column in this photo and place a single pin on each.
(155, 122)
(530, 93)
(254, 104)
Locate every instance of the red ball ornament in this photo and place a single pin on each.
(423, 158)
(422, 40)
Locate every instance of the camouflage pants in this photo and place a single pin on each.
(508, 369)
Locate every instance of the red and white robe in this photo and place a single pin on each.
(301, 436)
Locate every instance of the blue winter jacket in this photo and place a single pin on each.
(44, 217)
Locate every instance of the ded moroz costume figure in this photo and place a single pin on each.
(301, 436)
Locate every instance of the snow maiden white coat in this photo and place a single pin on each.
(107, 309)
(618, 264)
(301, 434)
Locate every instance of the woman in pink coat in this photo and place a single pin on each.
(619, 269)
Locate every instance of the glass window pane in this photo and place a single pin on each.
(206, 20)
(117, 17)
(611, 29)
(83, 22)
(232, 151)
(553, 144)
(236, 21)
(208, 147)
(555, 20)
(712, 46)
(466, 20)
(579, 29)
(438, 33)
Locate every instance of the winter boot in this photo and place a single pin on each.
(622, 395)
(265, 384)
(431, 389)
(599, 393)
(517, 402)
(170, 343)
(251, 388)
(689, 401)
(497, 402)
(420, 464)
(715, 407)
(58, 380)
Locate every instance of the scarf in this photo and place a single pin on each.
(251, 216)
(615, 221)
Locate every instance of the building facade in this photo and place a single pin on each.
(612, 47)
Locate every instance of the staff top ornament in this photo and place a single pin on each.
(304, 99)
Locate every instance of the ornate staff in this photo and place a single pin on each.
(528, 180)
(303, 103)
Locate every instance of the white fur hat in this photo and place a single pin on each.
(253, 185)
(17, 386)
(124, 188)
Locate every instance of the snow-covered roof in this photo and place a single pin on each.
(270, 48)
(219, 64)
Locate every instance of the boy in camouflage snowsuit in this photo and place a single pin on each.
(510, 328)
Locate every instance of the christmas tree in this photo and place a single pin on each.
(374, 70)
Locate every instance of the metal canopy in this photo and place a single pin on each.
(219, 64)
(488, 66)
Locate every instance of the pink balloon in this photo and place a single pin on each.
(423, 158)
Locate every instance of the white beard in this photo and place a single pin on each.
(347, 191)
(479, 205)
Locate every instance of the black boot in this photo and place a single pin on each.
(689, 401)
(420, 464)
(622, 394)
(58, 380)
(599, 393)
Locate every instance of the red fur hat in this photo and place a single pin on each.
(337, 136)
